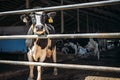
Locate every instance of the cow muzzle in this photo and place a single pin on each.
(39, 29)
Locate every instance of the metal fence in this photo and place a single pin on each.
(84, 35)
(66, 66)
(64, 7)
(88, 35)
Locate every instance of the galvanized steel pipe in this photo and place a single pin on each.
(84, 35)
(64, 7)
(66, 66)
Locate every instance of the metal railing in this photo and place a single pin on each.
(66, 66)
(64, 7)
(85, 35)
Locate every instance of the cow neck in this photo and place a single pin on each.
(45, 32)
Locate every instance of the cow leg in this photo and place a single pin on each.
(42, 58)
(98, 55)
(54, 60)
(31, 75)
(96, 51)
(76, 50)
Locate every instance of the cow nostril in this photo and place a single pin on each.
(39, 27)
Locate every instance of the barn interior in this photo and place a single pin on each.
(100, 19)
(95, 19)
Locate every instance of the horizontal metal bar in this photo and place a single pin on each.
(67, 66)
(85, 35)
(64, 7)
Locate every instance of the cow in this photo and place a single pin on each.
(102, 44)
(82, 47)
(93, 45)
(40, 49)
(87, 46)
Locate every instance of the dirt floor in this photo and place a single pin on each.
(110, 58)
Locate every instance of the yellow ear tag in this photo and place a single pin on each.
(50, 20)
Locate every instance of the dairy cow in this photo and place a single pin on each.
(39, 49)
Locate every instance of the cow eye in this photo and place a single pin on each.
(33, 18)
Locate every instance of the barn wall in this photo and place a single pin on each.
(16, 45)
(13, 45)
(15, 30)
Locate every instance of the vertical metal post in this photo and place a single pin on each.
(78, 21)
(27, 7)
(27, 4)
(93, 26)
(62, 19)
(87, 24)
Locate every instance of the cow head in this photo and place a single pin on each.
(39, 20)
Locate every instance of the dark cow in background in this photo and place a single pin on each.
(102, 44)
(81, 47)
(88, 46)
(39, 49)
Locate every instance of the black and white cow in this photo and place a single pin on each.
(82, 46)
(102, 44)
(39, 49)
(87, 46)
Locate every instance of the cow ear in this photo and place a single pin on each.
(51, 15)
(24, 18)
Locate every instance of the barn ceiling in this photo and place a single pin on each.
(97, 19)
